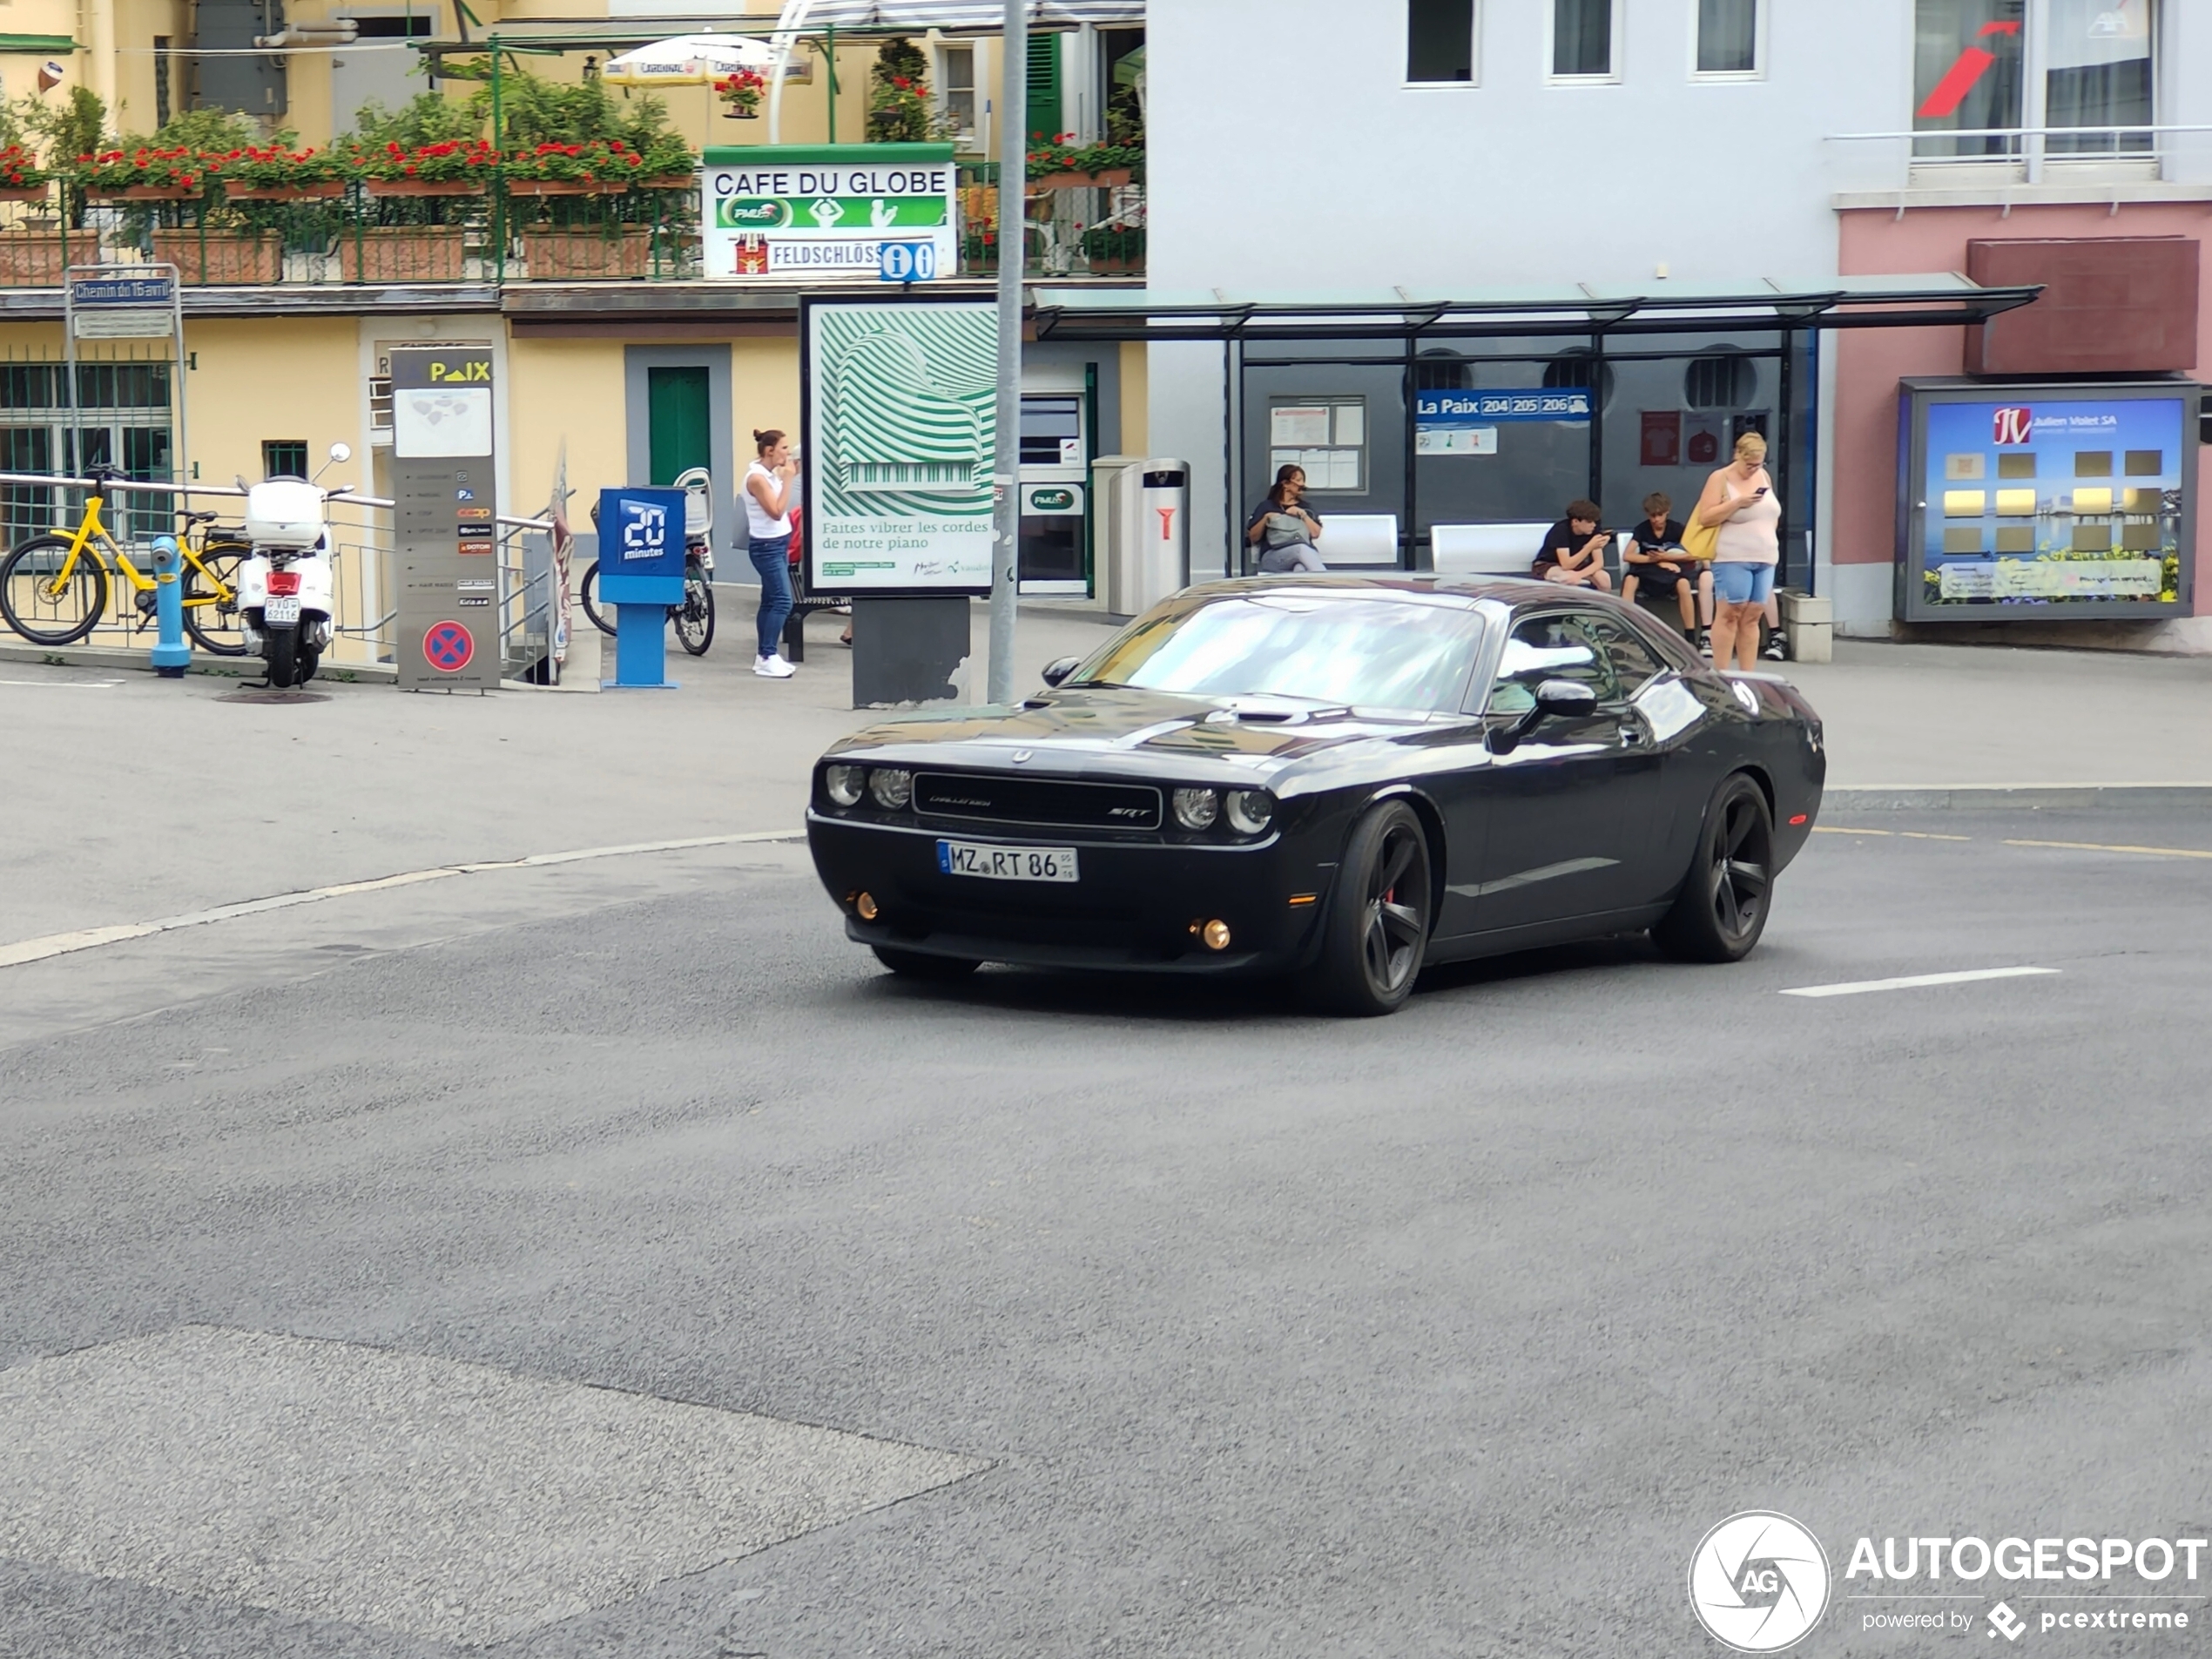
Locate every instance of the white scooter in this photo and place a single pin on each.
(285, 587)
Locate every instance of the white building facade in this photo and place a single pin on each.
(1650, 148)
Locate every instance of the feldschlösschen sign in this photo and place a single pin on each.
(825, 212)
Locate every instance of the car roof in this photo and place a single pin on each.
(1412, 586)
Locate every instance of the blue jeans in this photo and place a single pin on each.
(771, 558)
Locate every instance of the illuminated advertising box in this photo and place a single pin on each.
(2046, 502)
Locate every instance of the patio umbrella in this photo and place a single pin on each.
(690, 60)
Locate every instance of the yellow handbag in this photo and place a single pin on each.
(1700, 541)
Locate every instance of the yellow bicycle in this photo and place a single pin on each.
(54, 588)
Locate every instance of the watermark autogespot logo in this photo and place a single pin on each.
(1758, 1582)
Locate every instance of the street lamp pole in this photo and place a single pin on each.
(1005, 465)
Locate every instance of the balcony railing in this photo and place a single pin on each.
(1072, 228)
(1996, 156)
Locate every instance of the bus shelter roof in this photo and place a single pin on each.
(1571, 308)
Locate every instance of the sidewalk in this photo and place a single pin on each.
(130, 797)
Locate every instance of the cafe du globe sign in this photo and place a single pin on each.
(901, 404)
(815, 213)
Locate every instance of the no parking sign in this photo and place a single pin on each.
(447, 646)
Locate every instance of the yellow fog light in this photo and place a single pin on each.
(865, 907)
(1216, 934)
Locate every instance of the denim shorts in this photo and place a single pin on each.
(1736, 583)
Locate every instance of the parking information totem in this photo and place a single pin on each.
(447, 518)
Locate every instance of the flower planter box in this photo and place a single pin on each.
(670, 181)
(146, 193)
(403, 253)
(35, 258)
(1106, 181)
(566, 186)
(1116, 264)
(426, 187)
(327, 190)
(567, 255)
(22, 193)
(226, 258)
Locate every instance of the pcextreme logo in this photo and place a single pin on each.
(1758, 1582)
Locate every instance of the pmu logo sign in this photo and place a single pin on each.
(644, 531)
(2012, 426)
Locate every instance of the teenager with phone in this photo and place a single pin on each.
(1574, 550)
(1653, 558)
(1739, 501)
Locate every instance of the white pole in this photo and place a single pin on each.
(1006, 468)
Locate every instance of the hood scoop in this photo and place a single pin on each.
(1268, 710)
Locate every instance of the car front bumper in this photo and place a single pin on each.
(1138, 906)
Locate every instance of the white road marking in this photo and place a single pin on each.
(86, 685)
(37, 950)
(1914, 981)
(2099, 846)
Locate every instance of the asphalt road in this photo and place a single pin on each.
(1192, 1326)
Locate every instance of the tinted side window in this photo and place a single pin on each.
(1554, 647)
(1635, 663)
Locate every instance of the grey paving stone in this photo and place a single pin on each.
(444, 1500)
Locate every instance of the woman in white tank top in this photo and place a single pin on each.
(771, 487)
(1739, 500)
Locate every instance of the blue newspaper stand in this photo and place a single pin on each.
(641, 574)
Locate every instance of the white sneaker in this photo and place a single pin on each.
(773, 668)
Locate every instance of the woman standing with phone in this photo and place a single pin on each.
(770, 494)
(1739, 502)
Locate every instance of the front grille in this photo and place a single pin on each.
(1037, 800)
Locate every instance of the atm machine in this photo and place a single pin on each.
(1055, 549)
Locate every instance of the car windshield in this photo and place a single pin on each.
(1358, 649)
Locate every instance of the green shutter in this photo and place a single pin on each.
(1044, 85)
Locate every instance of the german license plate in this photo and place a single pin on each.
(279, 611)
(1007, 863)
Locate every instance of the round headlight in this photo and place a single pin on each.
(845, 784)
(1195, 809)
(892, 786)
(1250, 811)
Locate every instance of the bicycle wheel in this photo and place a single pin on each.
(42, 606)
(589, 589)
(211, 609)
(694, 619)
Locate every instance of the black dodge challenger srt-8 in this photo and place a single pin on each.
(1333, 778)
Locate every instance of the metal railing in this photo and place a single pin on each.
(363, 570)
(495, 238)
(2032, 154)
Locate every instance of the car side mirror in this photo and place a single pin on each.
(1059, 670)
(1555, 699)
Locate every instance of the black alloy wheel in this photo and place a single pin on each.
(1375, 933)
(1722, 907)
(919, 964)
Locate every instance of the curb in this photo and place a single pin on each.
(1997, 797)
(132, 660)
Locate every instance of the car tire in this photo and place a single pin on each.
(1375, 933)
(1722, 908)
(916, 964)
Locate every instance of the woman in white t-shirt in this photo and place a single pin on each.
(771, 488)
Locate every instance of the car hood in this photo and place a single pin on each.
(1083, 726)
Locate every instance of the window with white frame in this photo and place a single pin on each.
(1325, 437)
(1585, 40)
(1730, 35)
(1439, 42)
(1985, 70)
(956, 88)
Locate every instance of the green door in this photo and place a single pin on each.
(679, 435)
